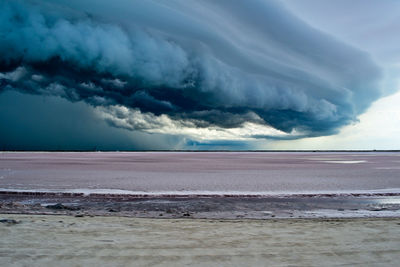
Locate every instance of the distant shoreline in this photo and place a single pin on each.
(203, 151)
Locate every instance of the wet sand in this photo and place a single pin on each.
(203, 207)
(220, 172)
(117, 241)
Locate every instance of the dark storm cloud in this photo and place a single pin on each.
(208, 63)
(52, 123)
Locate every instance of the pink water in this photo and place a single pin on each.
(201, 171)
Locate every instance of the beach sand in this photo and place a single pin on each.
(50, 240)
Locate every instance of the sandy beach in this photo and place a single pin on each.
(119, 241)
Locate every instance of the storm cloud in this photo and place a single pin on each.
(176, 66)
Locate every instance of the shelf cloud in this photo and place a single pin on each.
(197, 68)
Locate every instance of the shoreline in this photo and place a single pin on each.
(119, 193)
(202, 185)
(198, 207)
(14, 216)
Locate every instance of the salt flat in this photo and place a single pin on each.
(273, 172)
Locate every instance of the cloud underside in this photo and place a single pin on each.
(198, 68)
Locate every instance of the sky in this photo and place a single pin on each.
(199, 74)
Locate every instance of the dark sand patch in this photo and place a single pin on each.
(321, 206)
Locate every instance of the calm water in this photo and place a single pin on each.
(205, 171)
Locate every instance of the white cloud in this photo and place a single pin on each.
(378, 128)
(133, 119)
